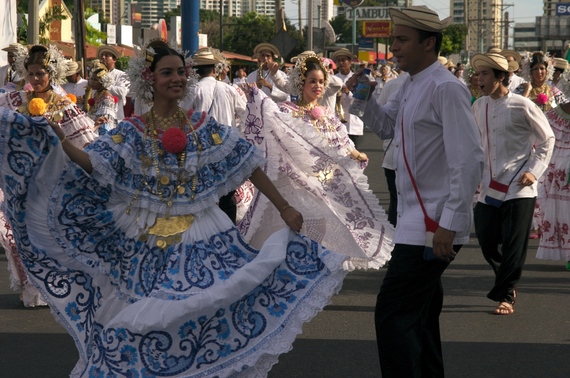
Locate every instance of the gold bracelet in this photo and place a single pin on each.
(63, 140)
(285, 208)
(359, 157)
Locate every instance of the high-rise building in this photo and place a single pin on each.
(239, 8)
(484, 20)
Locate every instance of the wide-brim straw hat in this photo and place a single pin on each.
(265, 47)
(512, 53)
(513, 65)
(495, 50)
(442, 60)
(305, 53)
(12, 47)
(419, 17)
(342, 52)
(560, 63)
(72, 68)
(107, 49)
(205, 57)
(492, 60)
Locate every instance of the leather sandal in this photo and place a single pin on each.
(504, 308)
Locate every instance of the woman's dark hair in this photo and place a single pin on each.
(506, 78)
(161, 49)
(538, 58)
(313, 65)
(438, 39)
(37, 55)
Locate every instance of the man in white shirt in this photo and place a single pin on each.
(518, 143)
(354, 125)
(75, 83)
(439, 162)
(8, 72)
(221, 101)
(266, 53)
(108, 55)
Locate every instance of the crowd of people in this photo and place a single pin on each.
(193, 233)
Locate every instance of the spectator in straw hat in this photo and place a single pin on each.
(75, 83)
(108, 55)
(514, 59)
(266, 53)
(8, 73)
(354, 125)
(559, 77)
(439, 160)
(518, 144)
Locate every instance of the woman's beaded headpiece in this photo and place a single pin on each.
(54, 63)
(142, 78)
(297, 75)
(527, 61)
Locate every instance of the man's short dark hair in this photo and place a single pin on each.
(438, 39)
(505, 80)
(205, 70)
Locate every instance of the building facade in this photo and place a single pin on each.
(485, 25)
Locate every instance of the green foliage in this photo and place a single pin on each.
(247, 32)
(343, 29)
(23, 32)
(122, 63)
(453, 39)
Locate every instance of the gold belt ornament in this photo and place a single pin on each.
(169, 229)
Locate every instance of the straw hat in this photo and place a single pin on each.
(442, 60)
(560, 63)
(12, 47)
(72, 68)
(492, 60)
(205, 57)
(107, 49)
(265, 47)
(303, 54)
(494, 50)
(342, 52)
(419, 17)
(512, 53)
(513, 65)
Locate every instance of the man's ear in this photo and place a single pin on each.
(429, 43)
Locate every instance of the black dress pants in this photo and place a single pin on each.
(390, 175)
(407, 315)
(228, 205)
(503, 236)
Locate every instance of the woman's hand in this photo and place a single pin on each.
(99, 121)
(292, 218)
(57, 128)
(358, 156)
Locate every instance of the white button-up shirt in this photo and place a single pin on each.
(443, 149)
(119, 88)
(516, 124)
(275, 93)
(354, 125)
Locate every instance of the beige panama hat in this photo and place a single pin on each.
(512, 53)
(305, 53)
(107, 49)
(419, 17)
(72, 68)
(265, 47)
(560, 63)
(442, 60)
(12, 47)
(493, 60)
(342, 52)
(513, 65)
(494, 50)
(205, 57)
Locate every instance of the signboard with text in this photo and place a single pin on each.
(368, 13)
(377, 29)
(563, 9)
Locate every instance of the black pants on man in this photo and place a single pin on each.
(503, 236)
(390, 175)
(228, 205)
(407, 315)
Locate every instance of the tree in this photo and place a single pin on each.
(92, 35)
(55, 13)
(453, 39)
(248, 31)
(343, 29)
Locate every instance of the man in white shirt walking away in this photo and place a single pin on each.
(75, 83)
(108, 55)
(439, 162)
(510, 126)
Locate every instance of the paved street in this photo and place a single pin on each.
(340, 341)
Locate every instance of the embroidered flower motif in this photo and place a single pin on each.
(174, 140)
(72, 97)
(37, 107)
(317, 112)
(542, 99)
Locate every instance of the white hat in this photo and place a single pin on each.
(419, 17)
(492, 60)
(342, 52)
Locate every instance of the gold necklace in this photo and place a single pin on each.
(324, 128)
(542, 89)
(165, 123)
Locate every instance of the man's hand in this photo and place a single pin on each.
(262, 82)
(292, 218)
(443, 244)
(527, 179)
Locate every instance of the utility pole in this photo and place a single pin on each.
(33, 22)
(310, 25)
(79, 35)
(221, 25)
(300, 18)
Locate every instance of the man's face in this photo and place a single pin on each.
(73, 78)
(108, 60)
(11, 58)
(487, 81)
(344, 63)
(408, 50)
(265, 56)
